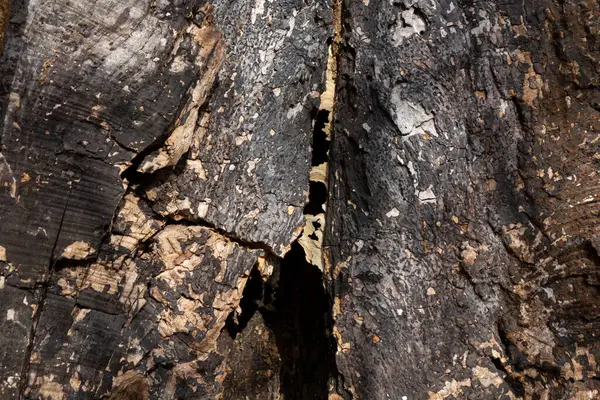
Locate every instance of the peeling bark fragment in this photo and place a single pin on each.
(209, 60)
(248, 172)
(180, 259)
(77, 251)
(174, 316)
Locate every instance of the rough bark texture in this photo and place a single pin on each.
(464, 222)
(250, 199)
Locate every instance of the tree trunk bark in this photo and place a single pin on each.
(303, 200)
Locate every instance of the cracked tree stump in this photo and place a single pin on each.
(302, 200)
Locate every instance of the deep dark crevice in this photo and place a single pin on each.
(64, 263)
(296, 307)
(303, 324)
(294, 303)
(231, 236)
(250, 303)
(317, 196)
(143, 179)
(320, 142)
(317, 192)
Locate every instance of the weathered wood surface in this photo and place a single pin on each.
(160, 239)
(463, 219)
(151, 152)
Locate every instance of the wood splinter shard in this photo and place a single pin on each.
(211, 55)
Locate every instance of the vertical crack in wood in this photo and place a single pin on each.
(43, 290)
(311, 239)
(295, 303)
(300, 314)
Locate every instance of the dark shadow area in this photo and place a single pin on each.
(320, 143)
(135, 177)
(317, 196)
(302, 324)
(250, 303)
(294, 304)
(297, 309)
(317, 193)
